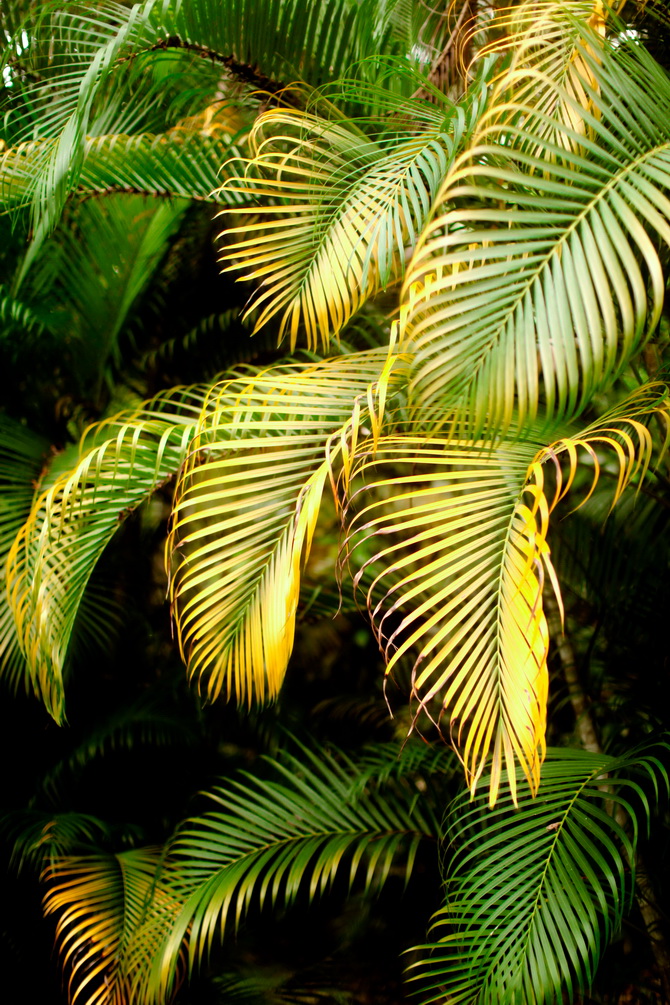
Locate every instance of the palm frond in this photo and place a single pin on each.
(538, 286)
(547, 71)
(99, 900)
(71, 523)
(22, 455)
(16, 313)
(534, 893)
(246, 506)
(39, 837)
(344, 210)
(101, 264)
(173, 164)
(452, 538)
(268, 840)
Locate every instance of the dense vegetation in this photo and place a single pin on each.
(342, 327)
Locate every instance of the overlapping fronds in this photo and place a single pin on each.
(342, 211)
(547, 70)
(535, 892)
(100, 900)
(245, 510)
(93, 55)
(70, 524)
(540, 278)
(452, 539)
(269, 839)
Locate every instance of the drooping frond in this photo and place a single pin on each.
(100, 901)
(449, 543)
(245, 510)
(70, 524)
(534, 892)
(540, 278)
(343, 212)
(450, 550)
(22, 456)
(268, 839)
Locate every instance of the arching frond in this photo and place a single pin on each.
(344, 211)
(267, 840)
(547, 70)
(452, 539)
(71, 523)
(540, 284)
(245, 511)
(535, 892)
(22, 456)
(39, 837)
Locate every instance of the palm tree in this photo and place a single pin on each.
(468, 265)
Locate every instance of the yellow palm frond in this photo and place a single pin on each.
(121, 462)
(341, 210)
(246, 506)
(449, 540)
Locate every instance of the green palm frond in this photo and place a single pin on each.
(101, 264)
(540, 277)
(535, 893)
(100, 900)
(453, 550)
(17, 314)
(245, 510)
(71, 523)
(172, 164)
(267, 841)
(22, 456)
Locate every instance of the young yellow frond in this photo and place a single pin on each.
(449, 543)
(246, 506)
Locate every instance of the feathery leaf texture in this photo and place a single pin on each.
(539, 277)
(71, 523)
(100, 900)
(457, 582)
(125, 920)
(246, 506)
(535, 889)
(342, 211)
